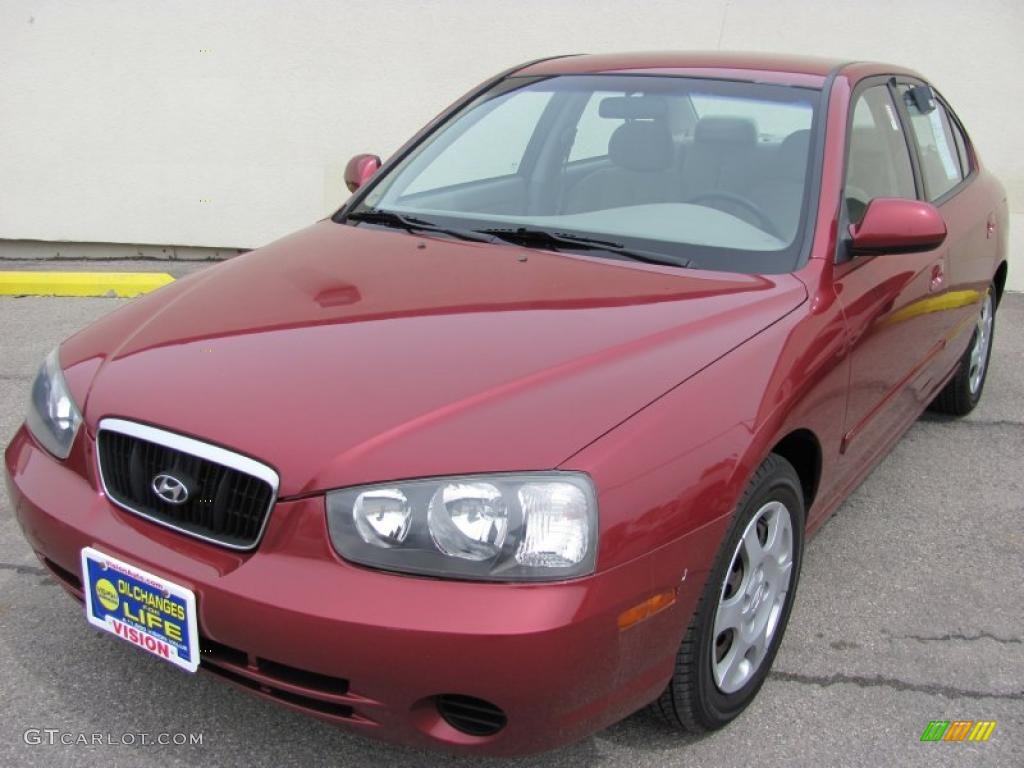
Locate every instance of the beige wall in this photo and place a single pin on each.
(213, 123)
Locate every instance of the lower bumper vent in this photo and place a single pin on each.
(472, 716)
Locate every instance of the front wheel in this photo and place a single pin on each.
(740, 619)
(963, 391)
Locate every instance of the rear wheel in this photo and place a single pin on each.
(962, 393)
(739, 622)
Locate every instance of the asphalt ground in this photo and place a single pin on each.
(910, 609)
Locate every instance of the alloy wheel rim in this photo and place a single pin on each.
(982, 341)
(753, 596)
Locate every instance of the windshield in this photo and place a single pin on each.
(713, 173)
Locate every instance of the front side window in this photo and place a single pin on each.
(878, 163)
(593, 132)
(937, 149)
(712, 172)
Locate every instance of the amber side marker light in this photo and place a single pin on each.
(647, 608)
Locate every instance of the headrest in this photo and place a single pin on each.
(642, 145)
(866, 140)
(872, 173)
(633, 107)
(732, 130)
(792, 156)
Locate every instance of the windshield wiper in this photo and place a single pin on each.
(414, 224)
(543, 238)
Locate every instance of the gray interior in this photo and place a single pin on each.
(660, 150)
(647, 164)
(723, 160)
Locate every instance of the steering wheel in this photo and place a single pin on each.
(765, 223)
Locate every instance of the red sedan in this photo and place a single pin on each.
(530, 433)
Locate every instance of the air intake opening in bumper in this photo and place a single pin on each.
(470, 715)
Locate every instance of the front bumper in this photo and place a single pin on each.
(293, 622)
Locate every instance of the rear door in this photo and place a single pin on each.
(890, 301)
(948, 171)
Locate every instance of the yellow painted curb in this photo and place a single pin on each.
(119, 284)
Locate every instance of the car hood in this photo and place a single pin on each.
(344, 355)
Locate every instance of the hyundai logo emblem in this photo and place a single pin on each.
(170, 489)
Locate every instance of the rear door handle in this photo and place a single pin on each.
(991, 229)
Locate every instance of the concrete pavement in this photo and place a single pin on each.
(910, 609)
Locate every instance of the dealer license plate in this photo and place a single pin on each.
(155, 614)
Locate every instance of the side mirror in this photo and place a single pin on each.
(895, 225)
(359, 170)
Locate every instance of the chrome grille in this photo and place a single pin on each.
(228, 498)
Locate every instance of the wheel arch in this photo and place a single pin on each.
(802, 449)
(1000, 281)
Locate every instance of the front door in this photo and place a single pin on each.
(892, 302)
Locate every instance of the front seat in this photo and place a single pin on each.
(870, 173)
(642, 155)
(780, 194)
(722, 156)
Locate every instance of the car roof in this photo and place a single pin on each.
(798, 70)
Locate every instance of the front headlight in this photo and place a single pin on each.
(53, 418)
(501, 527)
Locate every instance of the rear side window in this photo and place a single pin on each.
(878, 164)
(937, 147)
(961, 147)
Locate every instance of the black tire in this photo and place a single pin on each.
(692, 701)
(958, 398)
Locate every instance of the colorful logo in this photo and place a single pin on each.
(107, 594)
(958, 730)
